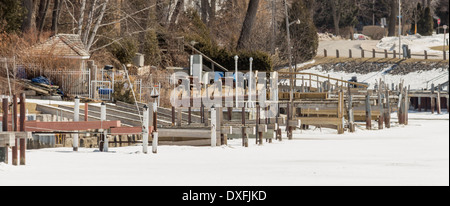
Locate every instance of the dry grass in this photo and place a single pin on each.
(439, 48)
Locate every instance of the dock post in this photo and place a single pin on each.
(213, 127)
(145, 130)
(368, 112)
(15, 160)
(380, 104)
(406, 108)
(419, 104)
(351, 117)
(387, 114)
(4, 150)
(341, 112)
(438, 99)
(173, 116)
(22, 141)
(155, 128)
(100, 139)
(433, 103)
(76, 116)
(155, 142)
(86, 112)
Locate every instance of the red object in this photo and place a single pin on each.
(439, 22)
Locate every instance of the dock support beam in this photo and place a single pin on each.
(4, 150)
(15, 156)
(22, 141)
(368, 112)
(76, 119)
(145, 130)
(213, 127)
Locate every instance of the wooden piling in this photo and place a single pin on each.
(4, 150)
(86, 112)
(351, 118)
(244, 135)
(406, 109)
(15, 160)
(395, 54)
(387, 111)
(349, 53)
(22, 141)
(381, 108)
(433, 104)
(179, 116)
(337, 53)
(5, 106)
(438, 99)
(189, 116)
(385, 54)
(373, 53)
(341, 112)
(325, 53)
(419, 104)
(368, 112)
(173, 116)
(425, 54)
(362, 53)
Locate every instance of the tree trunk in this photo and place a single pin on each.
(55, 15)
(393, 18)
(176, 12)
(96, 26)
(40, 19)
(212, 12)
(27, 23)
(336, 13)
(248, 23)
(90, 19)
(81, 19)
(204, 10)
(160, 8)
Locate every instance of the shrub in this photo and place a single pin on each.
(124, 50)
(374, 32)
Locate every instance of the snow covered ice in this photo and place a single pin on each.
(417, 154)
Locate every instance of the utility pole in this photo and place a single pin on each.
(400, 27)
(291, 96)
(272, 49)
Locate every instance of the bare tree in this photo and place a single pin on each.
(336, 13)
(392, 17)
(27, 24)
(55, 15)
(42, 13)
(250, 17)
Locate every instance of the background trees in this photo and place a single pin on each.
(158, 27)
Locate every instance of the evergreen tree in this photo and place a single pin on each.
(304, 39)
(425, 23)
(11, 15)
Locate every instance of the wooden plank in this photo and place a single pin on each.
(203, 142)
(320, 120)
(34, 126)
(185, 133)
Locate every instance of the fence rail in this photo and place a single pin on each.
(350, 53)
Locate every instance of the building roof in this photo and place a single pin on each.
(62, 45)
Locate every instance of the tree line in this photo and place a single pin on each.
(218, 28)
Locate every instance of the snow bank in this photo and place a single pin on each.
(417, 43)
(417, 80)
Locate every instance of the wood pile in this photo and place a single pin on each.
(39, 88)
